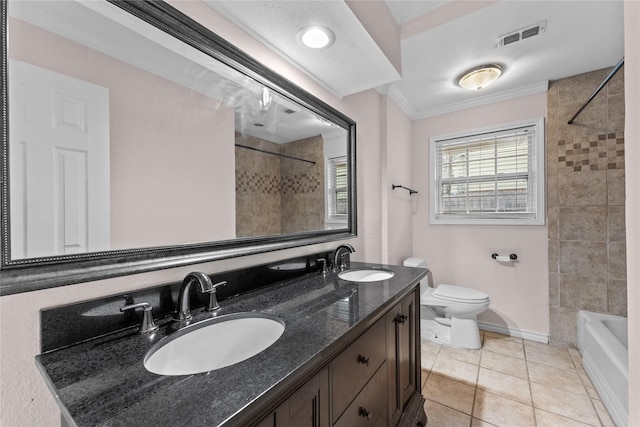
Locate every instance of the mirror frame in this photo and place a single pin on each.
(24, 275)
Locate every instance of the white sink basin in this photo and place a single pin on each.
(366, 275)
(213, 344)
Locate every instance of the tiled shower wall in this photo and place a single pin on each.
(303, 185)
(277, 195)
(585, 201)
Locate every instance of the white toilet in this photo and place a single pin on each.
(448, 314)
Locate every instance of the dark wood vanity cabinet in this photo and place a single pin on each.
(359, 380)
(306, 407)
(403, 355)
(370, 383)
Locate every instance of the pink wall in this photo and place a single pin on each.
(397, 204)
(364, 108)
(461, 255)
(632, 178)
(24, 397)
(194, 144)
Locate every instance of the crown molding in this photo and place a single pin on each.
(531, 89)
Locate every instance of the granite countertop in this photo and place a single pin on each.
(103, 381)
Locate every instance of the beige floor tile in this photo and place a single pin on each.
(426, 364)
(461, 354)
(501, 411)
(605, 419)
(448, 392)
(508, 348)
(551, 355)
(549, 419)
(502, 363)
(443, 416)
(496, 336)
(423, 378)
(430, 347)
(576, 358)
(475, 422)
(588, 385)
(564, 379)
(504, 385)
(564, 403)
(456, 370)
(428, 354)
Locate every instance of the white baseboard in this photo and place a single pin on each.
(505, 330)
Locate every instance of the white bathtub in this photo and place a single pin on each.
(603, 343)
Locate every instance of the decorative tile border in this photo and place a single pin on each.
(593, 153)
(270, 184)
(298, 184)
(255, 182)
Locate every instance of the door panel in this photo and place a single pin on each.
(59, 148)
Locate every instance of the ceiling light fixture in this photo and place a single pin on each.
(265, 99)
(480, 77)
(316, 37)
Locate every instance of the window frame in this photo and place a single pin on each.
(333, 218)
(535, 170)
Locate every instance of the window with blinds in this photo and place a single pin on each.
(338, 190)
(494, 176)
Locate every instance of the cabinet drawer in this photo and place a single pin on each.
(369, 409)
(351, 370)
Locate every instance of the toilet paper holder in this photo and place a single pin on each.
(512, 257)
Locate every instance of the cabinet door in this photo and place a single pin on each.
(407, 324)
(370, 405)
(306, 407)
(402, 357)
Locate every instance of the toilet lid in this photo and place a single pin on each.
(460, 294)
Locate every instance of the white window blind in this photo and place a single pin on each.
(338, 191)
(492, 177)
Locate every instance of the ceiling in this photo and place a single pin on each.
(438, 41)
(116, 33)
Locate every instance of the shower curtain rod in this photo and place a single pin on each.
(275, 154)
(593, 95)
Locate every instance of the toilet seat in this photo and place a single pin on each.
(459, 294)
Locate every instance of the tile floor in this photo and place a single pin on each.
(510, 382)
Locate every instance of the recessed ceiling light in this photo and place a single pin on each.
(480, 77)
(316, 37)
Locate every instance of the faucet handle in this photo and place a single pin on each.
(147, 324)
(323, 266)
(343, 260)
(213, 305)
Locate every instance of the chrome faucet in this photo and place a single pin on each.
(339, 256)
(147, 324)
(183, 309)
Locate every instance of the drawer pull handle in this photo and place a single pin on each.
(363, 359)
(401, 318)
(364, 413)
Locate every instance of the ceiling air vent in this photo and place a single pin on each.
(521, 34)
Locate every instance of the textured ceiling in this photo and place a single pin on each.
(440, 40)
(352, 64)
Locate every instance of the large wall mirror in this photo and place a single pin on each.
(136, 139)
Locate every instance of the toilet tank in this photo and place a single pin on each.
(425, 283)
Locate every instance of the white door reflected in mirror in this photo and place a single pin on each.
(59, 164)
